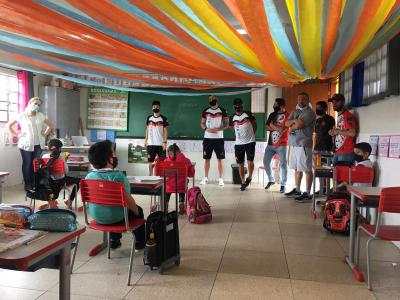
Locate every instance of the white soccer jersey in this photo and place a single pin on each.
(156, 127)
(243, 127)
(214, 119)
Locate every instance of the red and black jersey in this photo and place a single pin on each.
(214, 118)
(345, 144)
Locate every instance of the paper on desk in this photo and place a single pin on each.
(12, 238)
(142, 178)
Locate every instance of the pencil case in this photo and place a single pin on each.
(53, 219)
(13, 215)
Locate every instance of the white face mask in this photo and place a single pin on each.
(35, 107)
(303, 108)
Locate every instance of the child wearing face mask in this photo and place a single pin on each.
(54, 146)
(175, 154)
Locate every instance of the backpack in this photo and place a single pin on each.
(45, 188)
(337, 212)
(198, 210)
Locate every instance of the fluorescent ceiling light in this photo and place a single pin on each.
(241, 31)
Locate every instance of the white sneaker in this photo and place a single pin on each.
(221, 182)
(204, 181)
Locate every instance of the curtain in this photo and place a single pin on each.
(357, 85)
(23, 89)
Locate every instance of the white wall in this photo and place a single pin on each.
(382, 118)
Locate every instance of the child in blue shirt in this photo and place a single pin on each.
(102, 157)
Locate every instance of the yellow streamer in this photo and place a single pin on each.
(286, 66)
(310, 20)
(373, 26)
(343, 6)
(290, 7)
(247, 57)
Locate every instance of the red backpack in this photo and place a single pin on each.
(198, 210)
(337, 212)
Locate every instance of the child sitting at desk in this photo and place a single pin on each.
(362, 152)
(55, 146)
(102, 158)
(175, 154)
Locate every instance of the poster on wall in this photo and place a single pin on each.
(384, 141)
(394, 148)
(107, 109)
(373, 141)
(137, 154)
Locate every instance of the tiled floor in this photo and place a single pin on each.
(260, 245)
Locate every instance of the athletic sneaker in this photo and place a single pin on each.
(114, 244)
(247, 182)
(293, 193)
(269, 184)
(221, 182)
(243, 186)
(204, 181)
(282, 190)
(305, 197)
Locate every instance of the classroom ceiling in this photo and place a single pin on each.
(197, 44)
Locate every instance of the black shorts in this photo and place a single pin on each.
(153, 151)
(216, 145)
(248, 149)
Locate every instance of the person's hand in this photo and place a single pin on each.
(333, 132)
(145, 144)
(43, 133)
(212, 130)
(164, 146)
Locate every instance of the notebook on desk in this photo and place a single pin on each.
(143, 178)
(12, 238)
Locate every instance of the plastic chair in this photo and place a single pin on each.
(353, 174)
(57, 168)
(109, 193)
(182, 170)
(389, 202)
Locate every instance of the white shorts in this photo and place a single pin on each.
(301, 159)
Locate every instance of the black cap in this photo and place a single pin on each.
(337, 97)
(237, 101)
(366, 147)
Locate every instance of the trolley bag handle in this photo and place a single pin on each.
(166, 172)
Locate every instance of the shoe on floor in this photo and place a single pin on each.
(305, 197)
(114, 244)
(269, 184)
(204, 181)
(221, 182)
(293, 193)
(243, 186)
(247, 182)
(282, 189)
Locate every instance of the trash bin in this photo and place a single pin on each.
(235, 174)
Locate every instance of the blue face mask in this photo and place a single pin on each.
(35, 107)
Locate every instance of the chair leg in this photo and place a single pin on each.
(131, 258)
(358, 245)
(369, 278)
(75, 250)
(108, 246)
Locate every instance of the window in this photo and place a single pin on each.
(345, 84)
(376, 75)
(8, 97)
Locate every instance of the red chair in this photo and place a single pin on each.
(389, 202)
(182, 170)
(109, 193)
(353, 174)
(57, 168)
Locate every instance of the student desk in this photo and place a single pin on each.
(33, 256)
(2, 175)
(364, 194)
(321, 172)
(150, 188)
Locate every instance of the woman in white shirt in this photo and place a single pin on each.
(35, 127)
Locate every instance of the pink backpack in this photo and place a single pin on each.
(198, 210)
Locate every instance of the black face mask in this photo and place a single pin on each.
(358, 158)
(276, 109)
(114, 162)
(213, 102)
(238, 108)
(319, 112)
(156, 110)
(338, 107)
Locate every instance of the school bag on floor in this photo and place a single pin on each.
(45, 188)
(198, 211)
(337, 212)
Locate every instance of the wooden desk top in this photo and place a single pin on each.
(365, 192)
(151, 184)
(4, 174)
(22, 255)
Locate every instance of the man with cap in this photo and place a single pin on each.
(277, 142)
(301, 123)
(214, 120)
(245, 127)
(344, 132)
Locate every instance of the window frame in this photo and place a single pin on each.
(8, 91)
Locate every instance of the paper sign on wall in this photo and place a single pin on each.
(373, 141)
(384, 141)
(394, 148)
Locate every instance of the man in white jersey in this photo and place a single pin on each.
(245, 127)
(156, 135)
(213, 121)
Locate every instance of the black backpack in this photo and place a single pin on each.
(45, 188)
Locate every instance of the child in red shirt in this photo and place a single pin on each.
(175, 154)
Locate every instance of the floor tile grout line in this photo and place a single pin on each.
(134, 285)
(223, 252)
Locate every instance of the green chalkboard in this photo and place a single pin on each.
(183, 113)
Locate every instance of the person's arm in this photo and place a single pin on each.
(253, 123)
(290, 121)
(146, 139)
(350, 132)
(49, 128)
(165, 138)
(10, 127)
(303, 120)
(131, 204)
